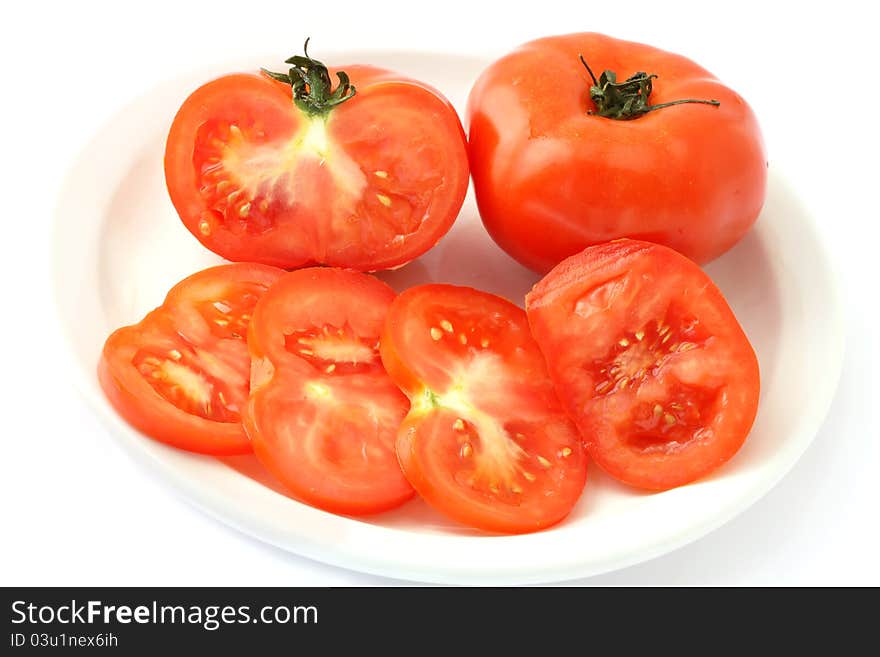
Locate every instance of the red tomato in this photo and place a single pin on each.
(181, 374)
(649, 360)
(287, 173)
(486, 441)
(323, 413)
(577, 162)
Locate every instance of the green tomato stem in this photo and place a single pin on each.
(627, 100)
(309, 79)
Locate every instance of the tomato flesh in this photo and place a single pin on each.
(372, 184)
(323, 413)
(649, 360)
(486, 440)
(181, 375)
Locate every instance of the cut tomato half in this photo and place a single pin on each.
(486, 441)
(262, 171)
(181, 374)
(323, 413)
(649, 359)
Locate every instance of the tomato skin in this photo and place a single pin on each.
(323, 413)
(180, 326)
(691, 177)
(375, 184)
(684, 380)
(486, 441)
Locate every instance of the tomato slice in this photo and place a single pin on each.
(649, 360)
(181, 374)
(369, 184)
(323, 413)
(486, 441)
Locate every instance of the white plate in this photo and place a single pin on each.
(119, 247)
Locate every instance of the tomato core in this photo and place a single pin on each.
(335, 350)
(642, 355)
(178, 379)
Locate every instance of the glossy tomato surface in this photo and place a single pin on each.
(323, 413)
(551, 178)
(181, 374)
(649, 360)
(486, 441)
(369, 184)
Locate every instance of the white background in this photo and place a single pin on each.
(76, 510)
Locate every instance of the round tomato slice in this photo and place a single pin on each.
(649, 360)
(286, 173)
(323, 413)
(181, 374)
(486, 441)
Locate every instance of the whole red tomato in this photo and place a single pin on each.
(582, 138)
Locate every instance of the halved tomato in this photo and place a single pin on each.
(323, 413)
(486, 441)
(290, 171)
(181, 374)
(649, 359)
